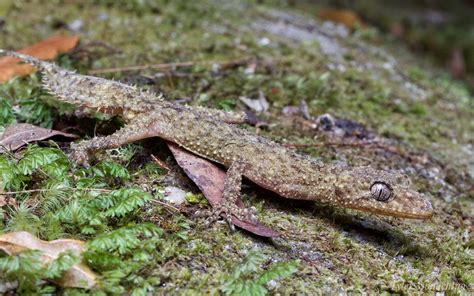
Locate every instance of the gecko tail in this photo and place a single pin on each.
(37, 63)
(88, 91)
(54, 79)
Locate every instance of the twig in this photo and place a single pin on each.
(7, 150)
(44, 190)
(83, 189)
(159, 162)
(102, 44)
(170, 80)
(172, 74)
(165, 204)
(167, 66)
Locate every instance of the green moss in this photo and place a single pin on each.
(338, 250)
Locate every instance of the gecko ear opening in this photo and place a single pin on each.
(381, 191)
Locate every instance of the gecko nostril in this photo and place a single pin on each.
(403, 180)
(380, 191)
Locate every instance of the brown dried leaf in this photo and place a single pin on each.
(79, 276)
(346, 17)
(457, 63)
(7, 287)
(5, 200)
(45, 50)
(18, 135)
(210, 180)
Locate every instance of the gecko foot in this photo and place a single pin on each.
(226, 211)
(79, 155)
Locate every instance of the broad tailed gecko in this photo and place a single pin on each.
(211, 134)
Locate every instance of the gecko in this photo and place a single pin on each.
(214, 135)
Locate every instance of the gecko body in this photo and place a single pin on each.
(210, 134)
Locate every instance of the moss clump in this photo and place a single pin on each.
(139, 246)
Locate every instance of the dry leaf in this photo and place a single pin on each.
(342, 16)
(457, 63)
(6, 200)
(398, 30)
(79, 276)
(8, 287)
(210, 180)
(18, 135)
(45, 50)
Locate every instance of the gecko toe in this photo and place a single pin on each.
(218, 212)
(79, 156)
(248, 215)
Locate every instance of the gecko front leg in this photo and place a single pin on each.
(130, 133)
(227, 207)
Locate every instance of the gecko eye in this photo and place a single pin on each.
(380, 191)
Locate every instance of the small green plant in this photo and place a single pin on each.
(27, 269)
(24, 100)
(92, 204)
(248, 279)
(6, 112)
(226, 104)
(47, 162)
(195, 198)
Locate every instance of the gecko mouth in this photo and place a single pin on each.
(421, 215)
(421, 212)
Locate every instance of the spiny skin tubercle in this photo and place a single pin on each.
(205, 132)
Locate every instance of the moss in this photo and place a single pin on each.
(412, 104)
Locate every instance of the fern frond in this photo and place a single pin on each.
(76, 212)
(245, 280)
(58, 168)
(56, 195)
(26, 268)
(35, 158)
(35, 111)
(278, 270)
(52, 228)
(124, 201)
(124, 239)
(8, 176)
(251, 263)
(6, 112)
(110, 169)
(62, 263)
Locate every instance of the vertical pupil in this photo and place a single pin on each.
(380, 191)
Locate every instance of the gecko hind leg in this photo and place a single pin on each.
(227, 207)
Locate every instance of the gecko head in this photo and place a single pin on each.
(380, 192)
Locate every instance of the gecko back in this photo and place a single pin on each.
(88, 91)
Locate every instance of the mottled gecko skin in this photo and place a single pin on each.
(206, 132)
